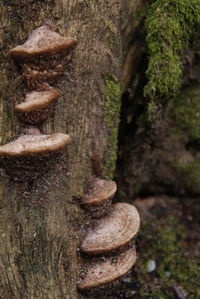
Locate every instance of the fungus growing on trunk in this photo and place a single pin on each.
(43, 56)
(102, 271)
(37, 105)
(98, 197)
(113, 231)
(31, 154)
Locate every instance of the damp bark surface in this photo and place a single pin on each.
(41, 222)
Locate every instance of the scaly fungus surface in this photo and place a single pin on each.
(31, 154)
(37, 105)
(43, 56)
(113, 231)
(98, 197)
(106, 270)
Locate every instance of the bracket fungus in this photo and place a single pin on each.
(31, 154)
(98, 197)
(107, 270)
(37, 105)
(113, 231)
(43, 56)
(108, 249)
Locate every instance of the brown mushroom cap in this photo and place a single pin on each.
(32, 154)
(35, 144)
(99, 191)
(107, 270)
(37, 105)
(112, 231)
(38, 100)
(98, 197)
(43, 41)
(44, 56)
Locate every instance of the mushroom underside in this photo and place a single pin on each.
(29, 168)
(37, 116)
(49, 71)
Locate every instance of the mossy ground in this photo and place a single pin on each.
(186, 113)
(190, 172)
(168, 238)
(186, 124)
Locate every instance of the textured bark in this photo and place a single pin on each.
(41, 222)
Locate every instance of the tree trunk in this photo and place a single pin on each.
(41, 222)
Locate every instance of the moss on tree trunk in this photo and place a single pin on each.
(159, 131)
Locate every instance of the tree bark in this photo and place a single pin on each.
(41, 223)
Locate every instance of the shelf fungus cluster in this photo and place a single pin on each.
(108, 248)
(43, 58)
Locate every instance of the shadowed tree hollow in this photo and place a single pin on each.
(41, 222)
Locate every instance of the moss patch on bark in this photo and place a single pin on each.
(111, 117)
(169, 26)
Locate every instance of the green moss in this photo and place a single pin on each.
(169, 26)
(111, 116)
(153, 112)
(186, 113)
(190, 173)
(186, 121)
(164, 242)
(110, 33)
